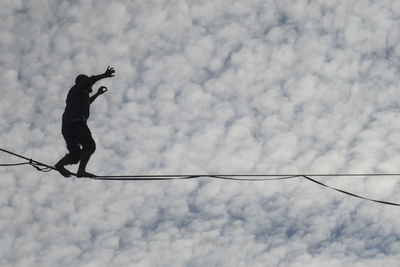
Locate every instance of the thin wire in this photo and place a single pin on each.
(280, 176)
(188, 177)
(36, 164)
(236, 177)
(350, 194)
(13, 164)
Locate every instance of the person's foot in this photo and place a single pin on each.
(63, 171)
(81, 174)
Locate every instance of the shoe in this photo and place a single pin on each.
(63, 171)
(85, 174)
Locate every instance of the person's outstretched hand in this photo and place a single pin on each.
(102, 90)
(109, 72)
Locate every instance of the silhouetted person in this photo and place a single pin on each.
(78, 138)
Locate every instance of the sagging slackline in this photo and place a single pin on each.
(75, 131)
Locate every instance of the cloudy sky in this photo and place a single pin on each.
(210, 86)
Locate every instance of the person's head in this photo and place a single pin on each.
(81, 78)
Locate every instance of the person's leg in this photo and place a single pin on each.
(88, 148)
(60, 166)
(70, 133)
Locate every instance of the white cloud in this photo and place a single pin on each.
(203, 87)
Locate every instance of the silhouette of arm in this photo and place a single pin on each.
(107, 74)
(101, 91)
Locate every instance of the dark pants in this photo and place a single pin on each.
(78, 138)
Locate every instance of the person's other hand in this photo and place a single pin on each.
(102, 90)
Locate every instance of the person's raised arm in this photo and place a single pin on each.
(107, 74)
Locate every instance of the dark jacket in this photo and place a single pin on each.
(77, 103)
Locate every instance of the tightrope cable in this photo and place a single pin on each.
(234, 177)
(36, 164)
(351, 194)
(13, 164)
